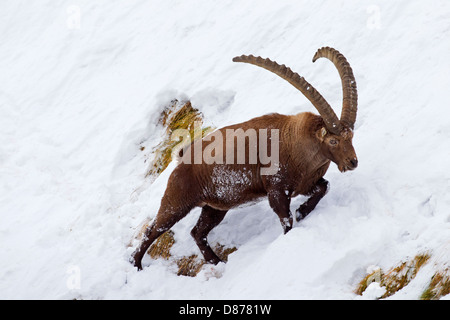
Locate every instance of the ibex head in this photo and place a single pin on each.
(336, 136)
(338, 148)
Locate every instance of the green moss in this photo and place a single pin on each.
(178, 115)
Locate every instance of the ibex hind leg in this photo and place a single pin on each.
(180, 197)
(165, 219)
(209, 218)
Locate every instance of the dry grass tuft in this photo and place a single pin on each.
(439, 286)
(187, 266)
(191, 266)
(374, 276)
(396, 278)
(161, 247)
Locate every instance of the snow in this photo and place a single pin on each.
(82, 84)
(374, 291)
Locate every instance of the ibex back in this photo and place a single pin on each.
(307, 143)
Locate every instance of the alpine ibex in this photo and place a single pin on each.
(307, 144)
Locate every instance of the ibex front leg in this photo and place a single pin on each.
(317, 193)
(279, 202)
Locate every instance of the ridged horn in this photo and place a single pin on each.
(349, 90)
(331, 120)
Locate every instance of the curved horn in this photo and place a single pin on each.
(331, 120)
(350, 94)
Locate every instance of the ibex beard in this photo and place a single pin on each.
(274, 156)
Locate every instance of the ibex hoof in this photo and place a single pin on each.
(138, 265)
(214, 260)
(302, 212)
(136, 262)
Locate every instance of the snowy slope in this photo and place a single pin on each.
(82, 84)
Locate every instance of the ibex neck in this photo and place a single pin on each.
(306, 150)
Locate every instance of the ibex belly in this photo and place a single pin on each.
(232, 186)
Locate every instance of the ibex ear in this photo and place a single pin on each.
(321, 133)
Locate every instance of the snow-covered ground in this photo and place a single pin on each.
(83, 82)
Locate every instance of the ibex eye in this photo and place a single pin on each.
(333, 142)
